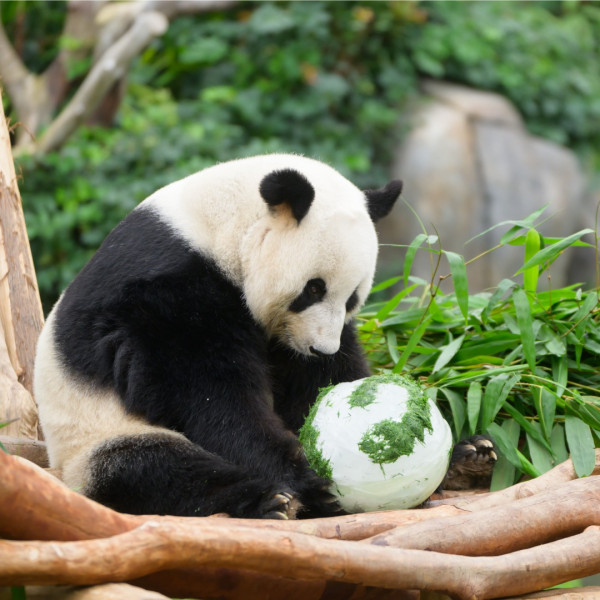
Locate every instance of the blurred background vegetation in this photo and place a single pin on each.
(327, 79)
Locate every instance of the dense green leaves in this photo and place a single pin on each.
(326, 79)
(519, 364)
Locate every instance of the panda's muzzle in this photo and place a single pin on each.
(318, 353)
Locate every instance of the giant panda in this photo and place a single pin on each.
(174, 371)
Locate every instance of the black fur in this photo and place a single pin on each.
(158, 323)
(290, 187)
(313, 292)
(380, 202)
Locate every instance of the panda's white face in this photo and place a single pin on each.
(303, 280)
(294, 234)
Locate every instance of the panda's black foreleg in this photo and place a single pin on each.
(164, 474)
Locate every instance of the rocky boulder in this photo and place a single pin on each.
(468, 163)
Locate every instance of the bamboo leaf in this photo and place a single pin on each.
(501, 290)
(583, 314)
(545, 405)
(560, 373)
(532, 247)
(517, 225)
(552, 251)
(448, 352)
(390, 305)
(496, 392)
(412, 250)
(527, 466)
(505, 444)
(557, 441)
(541, 457)
(526, 425)
(459, 278)
(504, 471)
(385, 284)
(473, 405)
(414, 339)
(581, 445)
(525, 322)
(392, 344)
(457, 406)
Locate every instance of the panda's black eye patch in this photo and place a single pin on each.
(313, 292)
(352, 301)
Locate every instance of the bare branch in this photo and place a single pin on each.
(573, 506)
(12, 70)
(155, 547)
(105, 73)
(172, 8)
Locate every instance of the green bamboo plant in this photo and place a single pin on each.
(519, 363)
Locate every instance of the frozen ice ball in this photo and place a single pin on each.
(380, 440)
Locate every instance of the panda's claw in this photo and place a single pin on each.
(471, 465)
(281, 505)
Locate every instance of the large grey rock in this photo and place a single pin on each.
(469, 163)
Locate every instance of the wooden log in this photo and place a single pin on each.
(588, 593)
(17, 408)
(524, 523)
(32, 450)
(107, 591)
(20, 306)
(156, 546)
(560, 474)
(34, 505)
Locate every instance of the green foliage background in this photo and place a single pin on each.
(328, 79)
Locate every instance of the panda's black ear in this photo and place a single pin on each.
(380, 202)
(290, 188)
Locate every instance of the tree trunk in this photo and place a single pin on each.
(21, 315)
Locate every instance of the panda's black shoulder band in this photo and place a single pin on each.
(288, 186)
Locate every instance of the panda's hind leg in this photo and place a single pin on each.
(164, 474)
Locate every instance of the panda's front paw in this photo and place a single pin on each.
(471, 464)
(282, 505)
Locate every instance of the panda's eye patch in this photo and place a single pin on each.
(352, 301)
(313, 292)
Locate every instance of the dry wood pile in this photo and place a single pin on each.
(526, 538)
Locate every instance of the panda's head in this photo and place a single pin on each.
(309, 261)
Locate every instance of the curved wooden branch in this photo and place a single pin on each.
(524, 523)
(13, 72)
(203, 556)
(158, 546)
(560, 474)
(34, 505)
(20, 306)
(109, 69)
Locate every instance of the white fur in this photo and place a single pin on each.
(267, 254)
(76, 417)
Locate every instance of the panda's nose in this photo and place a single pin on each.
(318, 352)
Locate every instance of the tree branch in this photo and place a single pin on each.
(104, 74)
(12, 70)
(155, 547)
(524, 523)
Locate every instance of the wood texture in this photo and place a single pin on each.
(32, 450)
(21, 316)
(215, 557)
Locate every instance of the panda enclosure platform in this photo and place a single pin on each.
(506, 544)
